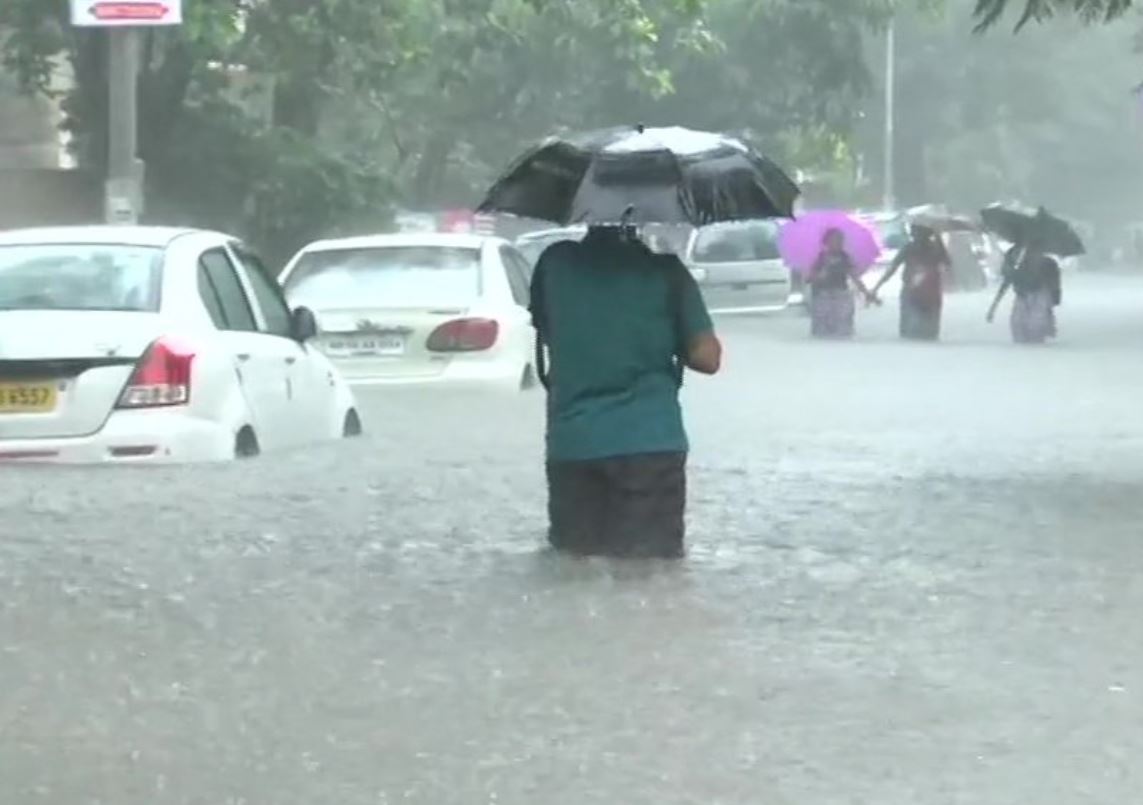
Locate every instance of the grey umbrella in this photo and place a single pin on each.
(661, 175)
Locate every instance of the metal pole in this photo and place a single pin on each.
(889, 200)
(123, 191)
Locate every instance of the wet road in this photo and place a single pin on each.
(915, 578)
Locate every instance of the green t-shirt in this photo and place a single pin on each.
(612, 336)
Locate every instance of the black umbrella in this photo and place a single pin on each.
(661, 175)
(1017, 223)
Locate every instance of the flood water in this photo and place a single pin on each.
(914, 579)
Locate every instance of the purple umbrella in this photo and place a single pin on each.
(800, 241)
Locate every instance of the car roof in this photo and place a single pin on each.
(455, 240)
(543, 234)
(881, 216)
(751, 223)
(153, 236)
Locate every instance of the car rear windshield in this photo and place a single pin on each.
(893, 233)
(76, 276)
(389, 276)
(736, 243)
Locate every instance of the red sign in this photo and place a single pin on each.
(148, 12)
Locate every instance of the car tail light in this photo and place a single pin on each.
(162, 377)
(464, 335)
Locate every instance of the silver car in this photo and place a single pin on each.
(738, 267)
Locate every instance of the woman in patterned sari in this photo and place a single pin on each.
(832, 308)
(926, 263)
(1034, 277)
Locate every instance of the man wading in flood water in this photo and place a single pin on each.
(620, 324)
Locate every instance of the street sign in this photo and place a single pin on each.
(121, 13)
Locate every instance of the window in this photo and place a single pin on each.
(209, 297)
(79, 276)
(386, 276)
(517, 277)
(523, 264)
(228, 291)
(266, 291)
(893, 232)
(737, 243)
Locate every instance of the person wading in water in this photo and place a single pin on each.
(620, 325)
(926, 263)
(1035, 279)
(832, 309)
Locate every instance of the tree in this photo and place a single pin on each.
(1046, 116)
(421, 102)
(989, 12)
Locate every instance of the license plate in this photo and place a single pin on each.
(27, 398)
(365, 346)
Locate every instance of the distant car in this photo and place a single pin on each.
(140, 344)
(892, 228)
(532, 244)
(969, 271)
(419, 308)
(738, 268)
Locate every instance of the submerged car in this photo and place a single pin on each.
(738, 267)
(143, 344)
(419, 308)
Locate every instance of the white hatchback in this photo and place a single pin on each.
(738, 267)
(146, 344)
(419, 308)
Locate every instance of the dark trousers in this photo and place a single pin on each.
(628, 506)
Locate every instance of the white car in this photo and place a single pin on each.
(532, 244)
(892, 229)
(738, 268)
(145, 344)
(419, 308)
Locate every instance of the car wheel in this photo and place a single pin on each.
(528, 378)
(246, 443)
(352, 426)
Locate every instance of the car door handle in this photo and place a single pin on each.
(291, 360)
(243, 356)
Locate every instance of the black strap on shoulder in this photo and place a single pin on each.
(677, 275)
(539, 312)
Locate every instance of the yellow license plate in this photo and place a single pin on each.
(27, 398)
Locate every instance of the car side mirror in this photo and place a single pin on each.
(303, 324)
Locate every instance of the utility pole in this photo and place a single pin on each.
(121, 22)
(889, 200)
(124, 189)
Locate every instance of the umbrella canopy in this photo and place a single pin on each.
(800, 241)
(650, 175)
(1017, 223)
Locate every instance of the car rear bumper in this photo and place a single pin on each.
(131, 437)
(499, 374)
(775, 307)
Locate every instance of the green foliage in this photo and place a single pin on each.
(421, 102)
(1046, 116)
(989, 12)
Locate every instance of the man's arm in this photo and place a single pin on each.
(703, 349)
